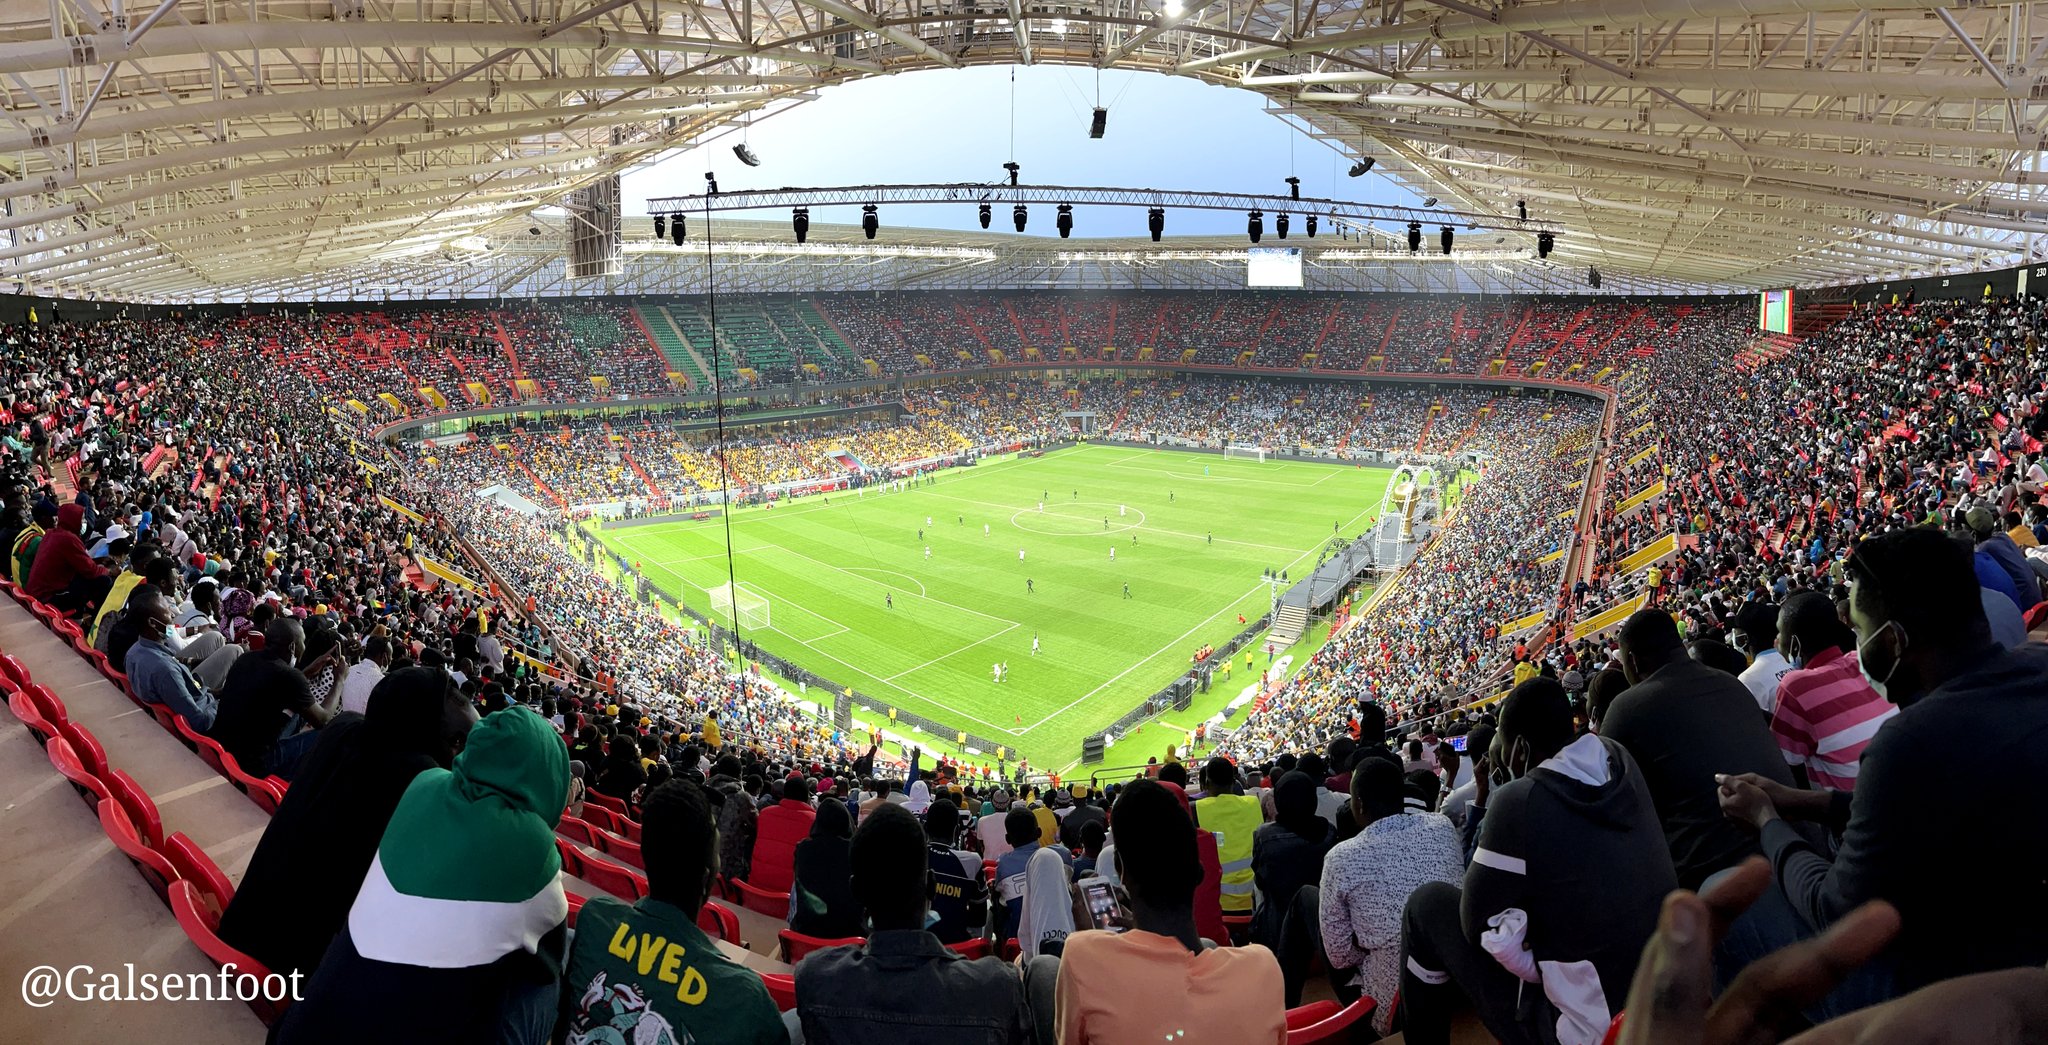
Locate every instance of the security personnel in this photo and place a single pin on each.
(1234, 817)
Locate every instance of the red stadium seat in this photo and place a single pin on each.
(605, 801)
(1331, 1028)
(24, 708)
(975, 947)
(720, 922)
(629, 829)
(761, 901)
(155, 867)
(1240, 927)
(49, 703)
(625, 852)
(613, 879)
(12, 668)
(87, 746)
(1613, 1030)
(575, 907)
(572, 858)
(598, 816)
(795, 945)
(1010, 950)
(89, 787)
(165, 717)
(782, 988)
(203, 929)
(1312, 1013)
(141, 810)
(577, 830)
(2035, 615)
(193, 865)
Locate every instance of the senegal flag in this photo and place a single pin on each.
(468, 871)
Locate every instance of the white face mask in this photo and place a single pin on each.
(1876, 683)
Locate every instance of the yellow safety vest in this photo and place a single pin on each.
(1234, 819)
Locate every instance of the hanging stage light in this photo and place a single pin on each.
(1280, 225)
(1310, 225)
(1363, 165)
(1155, 220)
(1020, 214)
(1593, 277)
(1443, 237)
(711, 182)
(1522, 209)
(869, 222)
(660, 226)
(1414, 236)
(1545, 243)
(1255, 226)
(800, 220)
(1065, 220)
(1013, 168)
(1430, 202)
(984, 214)
(746, 155)
(1294, 188)
(1099, 123)
(676, 230)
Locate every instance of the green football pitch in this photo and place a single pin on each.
(853, 595)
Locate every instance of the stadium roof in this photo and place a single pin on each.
(228, 150)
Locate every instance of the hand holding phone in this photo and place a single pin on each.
(1104, 911)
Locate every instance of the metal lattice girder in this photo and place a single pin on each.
(189, 148)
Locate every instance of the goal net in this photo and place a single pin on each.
(1251, 453)
(739, 605)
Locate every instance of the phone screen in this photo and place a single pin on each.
(1101, 900)
(1458, 743)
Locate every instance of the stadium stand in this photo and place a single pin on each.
(1889, 465)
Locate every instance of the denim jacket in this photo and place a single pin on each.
(904, 986)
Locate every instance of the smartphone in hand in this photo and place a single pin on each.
(1103, 909)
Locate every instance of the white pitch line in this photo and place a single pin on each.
(947, 656)
(1170, 645)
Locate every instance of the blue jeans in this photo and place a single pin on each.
(1771, 924)
(290, 750)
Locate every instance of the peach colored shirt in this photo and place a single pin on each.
(1143, 987)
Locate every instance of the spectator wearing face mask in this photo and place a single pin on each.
(1826, 714)
(1922, 644)
(155, 674)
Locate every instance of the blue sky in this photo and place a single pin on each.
(1165, 132)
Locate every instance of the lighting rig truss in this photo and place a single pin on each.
(1340, 213)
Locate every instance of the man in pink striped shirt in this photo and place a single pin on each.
(1826, 713)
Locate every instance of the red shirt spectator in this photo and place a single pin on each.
(61, 558)
(782, 826)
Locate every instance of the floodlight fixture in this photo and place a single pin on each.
(1255, 225)
(869, 222)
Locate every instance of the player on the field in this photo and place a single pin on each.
(1020, 555)
(1127, 589)
(984, 529)
(1029, 587)
(1034, 644)
(927, 553)
(889, 600)
(1112, 553)
(1122, 510)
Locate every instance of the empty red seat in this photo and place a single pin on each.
(719, 921)
(203, 929)
(24, 708)
(761, 901)
(1331, 1027)
(782, 988)
(83, 781)
(613, 879)
(156, 868)
(87, 746)
(577, 830)
(795, 945)
(193, 865)
(620, 849)
(976, 947)
(606, 802)
(141, 809)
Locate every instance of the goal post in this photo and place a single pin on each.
(1242, 452)
(742, 607)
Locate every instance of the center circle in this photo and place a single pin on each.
(1076, 519)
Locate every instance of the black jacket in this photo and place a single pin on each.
(1682, 725)
(904, 986)
(1575, 847)
(1969, 877)
(1282, 862)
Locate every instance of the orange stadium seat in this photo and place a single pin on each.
(1330, 1027)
